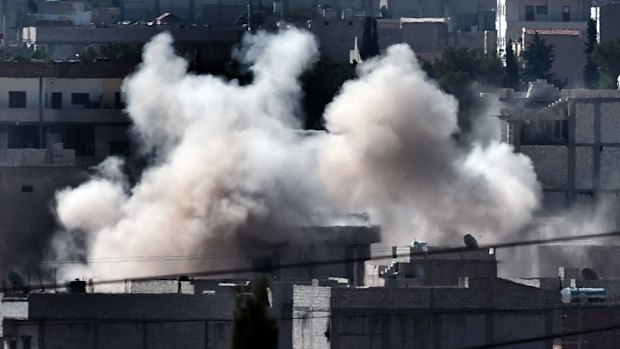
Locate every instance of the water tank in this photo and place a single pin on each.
(583, 295)
(76, 286)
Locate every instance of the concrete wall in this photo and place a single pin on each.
(124, 321)
(438, 317)
(607, 18)
(568, 62)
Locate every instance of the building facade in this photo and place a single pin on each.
(514, 15)
(573, 139)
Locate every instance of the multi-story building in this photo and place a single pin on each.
(514, 15)
(606, 13)
(573, 139)
(56, 121)
(70, 42)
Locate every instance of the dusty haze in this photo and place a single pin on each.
(231, 163)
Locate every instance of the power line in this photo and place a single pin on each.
(271, 268)
(412, 312)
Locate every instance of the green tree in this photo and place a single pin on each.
(590, 70)
(253, 327)
(320, 85)
(512, 68)
(538, 59)
(455, 73)
(370, 41)
(607, 56)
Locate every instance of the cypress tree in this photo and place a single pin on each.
(538, 58)
(512, 68)
(590, 70)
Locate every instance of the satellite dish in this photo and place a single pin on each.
(32, 6)
(17, 281)
(470, 241)
(588, 274)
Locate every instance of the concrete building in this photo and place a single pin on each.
(606, 13)
(188, 11)
(84, 321)
(426, 36)
(421, 265)
(568, 62)
(67, 42)
(572, 138)
(478, 311)
(56, 121)
(514, 15)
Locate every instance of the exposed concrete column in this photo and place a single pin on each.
(596, 151)
(570, 185)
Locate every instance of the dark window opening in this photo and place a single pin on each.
(27, 189)
(529, 13)
(12, 343)
(119, 149)
(79, 98)
(566, 13)
(23, 137)
(57, 100)
(541, 10)
(26, 342)
(80, 138)
(544, 133)
(118, 101)
(17, 99)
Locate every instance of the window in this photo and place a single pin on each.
(119, 148)
(26, 342)
(56, 100)
(541, 10)
(529, 13)
(80, 138)
(12, 343)
(544, 133)
(118, 101)
(79, 98)
(23, 137)
(27, 189)
(17, 99)
(566, 13)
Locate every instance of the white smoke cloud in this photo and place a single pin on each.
(393, 153)
(229, 161)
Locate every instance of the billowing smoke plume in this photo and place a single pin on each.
(230, 164)
(393, 152)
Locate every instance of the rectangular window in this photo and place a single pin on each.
(17, 99)
(541, 10)
(56, 100)
(79, 98)
(566, 13)
(26, 342)
(27, 189)
(118, 101)
(119, 148)
(529, 13)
